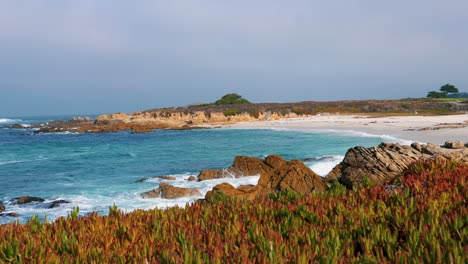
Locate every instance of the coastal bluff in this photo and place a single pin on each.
(143, 122)
(209, 115)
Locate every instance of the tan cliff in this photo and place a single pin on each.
(141, 122)
(197, 118)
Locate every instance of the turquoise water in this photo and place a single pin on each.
(94, 171)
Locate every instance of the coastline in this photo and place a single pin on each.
(424, 129)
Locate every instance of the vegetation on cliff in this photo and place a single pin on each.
(230, 99)
(421, 217)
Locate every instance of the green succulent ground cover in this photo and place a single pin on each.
(421, 217)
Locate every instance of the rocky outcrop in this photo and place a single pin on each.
(167, 178)
(2, 207)
(242, 166)
(192, 178)
(167, 191)
(27, 200)
(385, 162)
(454, 145)
(248, 192)
(56, 203)
(276, 174)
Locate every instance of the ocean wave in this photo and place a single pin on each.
(20, 161)
(9, 121)
(324, 164)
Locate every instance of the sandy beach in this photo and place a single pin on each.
(434, 129)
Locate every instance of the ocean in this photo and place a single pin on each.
(96, 171)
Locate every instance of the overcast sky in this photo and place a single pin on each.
(85, 57)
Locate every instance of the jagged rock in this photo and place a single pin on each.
(170, 192)
(57, 203)
(2, 207)
(385, 162)
(155, 193)
(17, 126)
(295, 176)
(210, 174)
(276, 174)
(192, 178)
(168, 178)
(242, 166)
(10, 214)
(454, 144)
(26, 200)
(242, 192)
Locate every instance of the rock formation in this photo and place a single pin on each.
(242, 166)
(192, 178)
(276, 174)
(167, 178)
(56, 203)
(26, 200)
(385, 162)
(170, 192)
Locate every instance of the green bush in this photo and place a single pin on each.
(230, 99)
(231, 112)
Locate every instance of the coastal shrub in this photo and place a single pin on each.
(231, 112)
(230, 99)
(422, 222)
(301, 111)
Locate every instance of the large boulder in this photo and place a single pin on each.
(385, 162)
(454, 144)
(242, 166)
(2, 207)
(248, 192)
(167, 191)
(276, 174)
(295, 176)
(167, 178)
(27, 200)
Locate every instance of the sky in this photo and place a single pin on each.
(92, 57)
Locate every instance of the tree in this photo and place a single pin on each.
(448, 88)
(232, 98)
(435, 94)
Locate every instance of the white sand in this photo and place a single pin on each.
(400, 127)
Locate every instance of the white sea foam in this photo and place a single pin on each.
(127, 201)
(9, 121)
(325, 164)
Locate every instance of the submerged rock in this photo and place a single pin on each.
(385, 162)
(167, 191)
(26, 200)
(10, 214)
(57, 203)
(141, 180)
(167, 178)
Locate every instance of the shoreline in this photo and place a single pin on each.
(424, 129)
